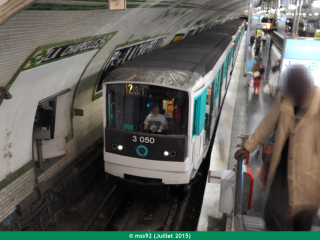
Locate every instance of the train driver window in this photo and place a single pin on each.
(147, 109)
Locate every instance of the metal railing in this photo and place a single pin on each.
(238, 211)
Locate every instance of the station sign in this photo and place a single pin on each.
(127, 53)
(304, 51)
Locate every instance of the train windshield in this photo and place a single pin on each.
(147, 109)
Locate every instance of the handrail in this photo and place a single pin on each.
(238, 211)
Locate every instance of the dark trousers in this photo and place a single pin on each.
(276, 213)
(257, 51)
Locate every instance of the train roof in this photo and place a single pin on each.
(234, 21)
(231, 29)
(180, 64)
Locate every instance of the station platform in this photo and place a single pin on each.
(242, 112)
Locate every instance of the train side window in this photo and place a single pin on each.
(194, 125)
(199, 113)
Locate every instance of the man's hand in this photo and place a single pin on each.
(242, 152)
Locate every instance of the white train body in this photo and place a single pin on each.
(189, 96)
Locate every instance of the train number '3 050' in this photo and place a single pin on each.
(143, 139)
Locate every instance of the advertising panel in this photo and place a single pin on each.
(303, 51)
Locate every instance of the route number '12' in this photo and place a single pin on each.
(143, 139)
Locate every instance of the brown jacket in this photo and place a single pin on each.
(304, 148)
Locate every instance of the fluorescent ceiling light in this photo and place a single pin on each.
(316, 14)
(316, 4)
(310, 14)
(292, 7)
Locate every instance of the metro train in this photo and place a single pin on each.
(160, 110)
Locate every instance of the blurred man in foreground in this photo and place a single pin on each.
(294, 176)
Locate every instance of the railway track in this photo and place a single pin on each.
(121, 211)
(277, 41)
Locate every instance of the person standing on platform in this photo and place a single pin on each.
(258, 45)
(252, 39)
(293, 183)
(257, 77)
(264, 38)
(249, 66)
(273, 80)
(259, 57)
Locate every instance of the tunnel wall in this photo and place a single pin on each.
(49, 47)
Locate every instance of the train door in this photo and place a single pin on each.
(209, 110)
(198, 128)
(230, 64)
(225, 73)
(221, 89)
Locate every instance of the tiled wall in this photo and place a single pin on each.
(26, 31)
(15, 192)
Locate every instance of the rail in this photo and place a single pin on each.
(277, 41)
(238, 211)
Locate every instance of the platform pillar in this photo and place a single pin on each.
(296, 19)
(248, 38)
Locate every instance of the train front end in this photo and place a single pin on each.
(145, 133)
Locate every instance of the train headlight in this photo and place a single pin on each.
(120, 147)
(166, 153)
(173, 154)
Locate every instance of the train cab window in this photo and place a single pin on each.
(111, 106)
(147, 108)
